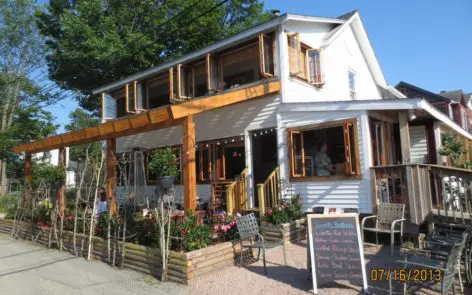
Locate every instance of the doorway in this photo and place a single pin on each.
(264, 156)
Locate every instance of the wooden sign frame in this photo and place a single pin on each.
(312, 249)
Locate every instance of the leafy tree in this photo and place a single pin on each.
(80, 119)
(27, 124)
(21, 53)
(94, 42)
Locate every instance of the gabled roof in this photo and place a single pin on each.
(430, 96)
(222, 44)
(353, 20)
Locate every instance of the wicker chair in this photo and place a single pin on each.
(248, 230)
(388, 217)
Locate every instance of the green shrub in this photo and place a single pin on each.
(47, 174)
(8, 205)
(285, 212)
(164, 163)
(194, 236)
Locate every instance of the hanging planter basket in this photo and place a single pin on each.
(165, 182)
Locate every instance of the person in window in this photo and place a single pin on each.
(323, 165)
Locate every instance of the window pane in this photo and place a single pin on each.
(314, 66)
(268, 55)
(157, 92)
(303, 64)
(352, 84)
(203, 163)
(297, 159)
(220, 162)
(183, 87)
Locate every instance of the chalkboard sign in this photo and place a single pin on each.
(336, 249)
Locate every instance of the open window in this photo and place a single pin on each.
(109, 109)
(220, 162)
(178, 84)
(266, 55)
(204, 163)
(197, 77)
(214, 72)
(156, 92)
(129, 94)
(325, 151)
(138, 97)
(383, 142)
(304, 61)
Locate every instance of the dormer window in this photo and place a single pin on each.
(352, 84)
(304, 61)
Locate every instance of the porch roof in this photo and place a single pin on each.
(376, 105)
(153, 119)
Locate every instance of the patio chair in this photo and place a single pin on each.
(351, 210)
(248, 230)
(447, 262)
(388, 217)
(442, 239)
(318, 210)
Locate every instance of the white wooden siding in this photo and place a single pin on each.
(203, 193)
(332, 194)
(418, 145)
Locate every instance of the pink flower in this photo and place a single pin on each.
(224, 228)
(269, 211)
(232, 223)
(238, 214)
(216, 227)
(283, 206)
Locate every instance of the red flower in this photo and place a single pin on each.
(184, 232)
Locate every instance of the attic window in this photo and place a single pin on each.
(305, 62)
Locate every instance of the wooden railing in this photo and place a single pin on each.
(426, 190)
(236, 194)
(269, 192)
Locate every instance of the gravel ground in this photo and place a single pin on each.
(26, 268)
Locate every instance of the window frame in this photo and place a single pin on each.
(351, 171)
(262, 55)
(352, 92)
(138, 91)
(127, 98)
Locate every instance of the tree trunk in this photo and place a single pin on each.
(3, 178)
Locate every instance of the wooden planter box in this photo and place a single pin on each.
(291, 232)
(182, 266)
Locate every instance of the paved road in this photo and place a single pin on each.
(26, 269)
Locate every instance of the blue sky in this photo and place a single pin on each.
(427, 43)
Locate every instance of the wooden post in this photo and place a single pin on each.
(28, 176)
(406, 158)
(189, 169)
(111, 174)
(229, 199)
(60, 193)
(261, 197)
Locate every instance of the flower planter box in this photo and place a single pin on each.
(290, 232)
(183, 267)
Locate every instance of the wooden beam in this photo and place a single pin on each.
(223, 99)
(156, 119)
(189, 170)
(28, 176)
(110, 180)
(60, 192)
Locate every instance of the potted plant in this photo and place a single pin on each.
(164, 164)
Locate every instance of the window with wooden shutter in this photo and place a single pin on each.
(326, 151)
(294, 52)
(266, 55)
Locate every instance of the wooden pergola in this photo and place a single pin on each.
(164, 117)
